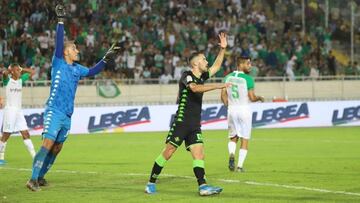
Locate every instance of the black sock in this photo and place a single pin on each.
(200, 174)
(156, 170)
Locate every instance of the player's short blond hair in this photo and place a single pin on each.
(68, 44)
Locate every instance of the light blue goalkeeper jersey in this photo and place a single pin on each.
(64, 82)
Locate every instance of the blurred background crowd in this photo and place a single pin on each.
(159, 35)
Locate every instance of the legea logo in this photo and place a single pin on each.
(213, 114)
(119, 120)
(35, 121)
(346, 115)
(280, 115)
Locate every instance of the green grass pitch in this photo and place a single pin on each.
(283, 165)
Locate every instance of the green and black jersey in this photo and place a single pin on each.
(189, 103)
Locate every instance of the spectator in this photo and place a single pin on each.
(165, 78)
(331, 62)
(289, 68)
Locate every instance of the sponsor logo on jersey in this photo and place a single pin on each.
(119, 120)
(280, 114)
(35, 121)
(346, 115)
(15, 90)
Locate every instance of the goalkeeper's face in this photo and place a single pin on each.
(71, 52)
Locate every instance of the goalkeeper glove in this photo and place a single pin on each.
(60, 12)
(112, 52)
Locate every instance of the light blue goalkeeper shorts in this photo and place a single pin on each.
(56, 125)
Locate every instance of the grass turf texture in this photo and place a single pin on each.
(283, 165)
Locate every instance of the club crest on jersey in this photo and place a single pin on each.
(189, 79)
(120, 119)
(346, 115)
(280, 114)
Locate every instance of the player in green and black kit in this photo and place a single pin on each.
(186, 125)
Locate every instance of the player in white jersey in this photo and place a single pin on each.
(14, 120)
(237, 98)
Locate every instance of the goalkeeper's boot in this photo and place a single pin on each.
(33, 185)
(150, 188)
(232, 162)
(207, 190)
(2, 162)
(42, 182)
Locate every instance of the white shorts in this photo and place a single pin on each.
(240, 122)
(13, 121)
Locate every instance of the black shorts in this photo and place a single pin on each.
(180, 132)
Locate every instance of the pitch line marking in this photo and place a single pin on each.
(190, 177)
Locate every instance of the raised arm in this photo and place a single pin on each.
(59, 41)
(110, 55)
(28, 70)
(5, 73)
(220, 57)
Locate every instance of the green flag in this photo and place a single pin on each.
(108, 89)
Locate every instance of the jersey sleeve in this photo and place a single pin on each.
(83, 71)
(25, 77)
(186, 79)
(250, 83)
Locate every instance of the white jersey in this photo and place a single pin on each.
(14, 91)
(14, 119)
(238, 91)
(239, 111)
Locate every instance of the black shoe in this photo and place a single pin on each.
(42, 182)
(33, 185)
(240, 170)
(232, 163)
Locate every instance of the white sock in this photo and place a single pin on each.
(2, 150)
(30, 147)
(242, 156)
(232, 147)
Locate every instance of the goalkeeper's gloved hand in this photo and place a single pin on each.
(113, 51)
(60, 12)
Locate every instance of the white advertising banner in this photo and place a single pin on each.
(214, 116)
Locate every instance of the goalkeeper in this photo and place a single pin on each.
(65, 75)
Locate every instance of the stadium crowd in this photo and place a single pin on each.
(159, 35)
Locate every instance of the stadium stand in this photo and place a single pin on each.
(156, 35)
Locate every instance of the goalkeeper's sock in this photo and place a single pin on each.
(2, 150)
(242, 157)
(199, 171)
(38, 162)
(30, 147)
(232, 147)
(159, 164)
(48, 162)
